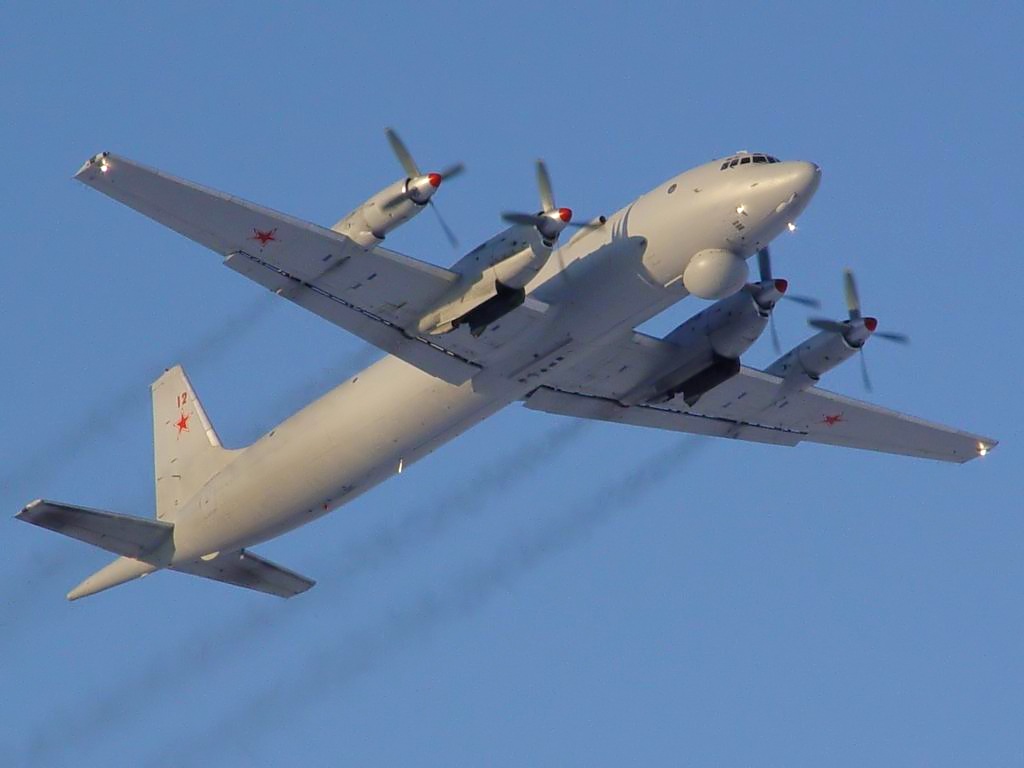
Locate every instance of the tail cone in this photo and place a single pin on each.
(118, 572)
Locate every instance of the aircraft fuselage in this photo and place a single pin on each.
(603, 282)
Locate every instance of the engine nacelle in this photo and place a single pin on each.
(390, 208)
(730, 326)
(804, 365)
(493, 283)
(712, 341)
(715, 273)
(513, 257)
(693, 384)
(504, 300)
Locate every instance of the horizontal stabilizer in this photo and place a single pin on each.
(121, 534)
(244, 569)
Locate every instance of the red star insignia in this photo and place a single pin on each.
(182, 423)
(833, 419)
(264, 236)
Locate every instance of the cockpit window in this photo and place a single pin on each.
(745, 159)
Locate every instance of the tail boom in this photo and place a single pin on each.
(122, 570)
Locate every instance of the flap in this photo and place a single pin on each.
(658, 417)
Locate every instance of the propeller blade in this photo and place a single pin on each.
(804, 301)
(452, 171)
(444, 225)
(528, 219)
(547, 197)
(402, 153)
(586, 224)
(823, 324)
(852, 299)
(864, 371)
(764, 264)
(775, 334)
(899, 338)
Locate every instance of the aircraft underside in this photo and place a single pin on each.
(518, 318)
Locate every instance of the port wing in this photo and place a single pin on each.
(752, 405)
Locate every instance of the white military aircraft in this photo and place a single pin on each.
(516, 319)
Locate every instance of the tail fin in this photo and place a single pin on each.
(186, 449)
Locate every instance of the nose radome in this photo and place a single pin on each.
(794, 183)
(806, 177)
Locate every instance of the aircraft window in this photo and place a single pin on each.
(734, 161)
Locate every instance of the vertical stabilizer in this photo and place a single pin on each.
(186, 449)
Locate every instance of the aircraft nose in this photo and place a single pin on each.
(794, 183)
(805, 177)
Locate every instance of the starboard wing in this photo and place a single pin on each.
(377, 294)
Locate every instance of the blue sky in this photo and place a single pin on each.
(534, 593)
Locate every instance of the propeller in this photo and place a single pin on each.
(420, 187)
(550, 220)
(764, 266)
(857, 329)
(452, 239)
